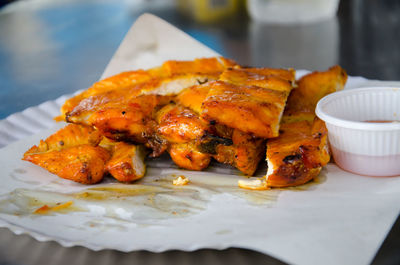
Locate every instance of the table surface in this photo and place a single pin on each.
(52, 48)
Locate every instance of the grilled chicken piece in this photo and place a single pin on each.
(301, 150)
(178, 124)
(82, 154)
(245, 153)
(242, 151)
(298, 154)
(126, 112)
(71, 153)
(123, 96)
(251, 109)
(187, 156)
(251, 100)
(169, 77)
(127, 162)
(82, 163)
(132, 121)
(229, 146)
(191, 140)
(310, 89)
(123, 80)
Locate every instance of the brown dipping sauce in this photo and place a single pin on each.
(381, 121)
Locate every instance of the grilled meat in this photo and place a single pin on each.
(71, 153)
(196, 111)
(301, 150)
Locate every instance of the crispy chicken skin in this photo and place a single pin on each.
(188, 157)
(251, 77)
(131, 122)
(122, 97)
(249, 99)
(178, 124)
(69, 136)
(71, 153)
(82, 163)
(251, 109)
(310, 89)
(121, 81)
(167, 77)
(286, 74)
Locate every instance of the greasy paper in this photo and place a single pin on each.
(340, 218)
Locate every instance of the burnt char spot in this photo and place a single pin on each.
(202, 82)
(292, 173)
(83, 169)
(210, 142)
(68, 116)
(189, 156)
(291, 158)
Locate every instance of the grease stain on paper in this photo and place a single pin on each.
(149, 199)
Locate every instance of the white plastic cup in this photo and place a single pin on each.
(292, 11)
(359, 145)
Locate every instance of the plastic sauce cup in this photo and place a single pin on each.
(364, 129)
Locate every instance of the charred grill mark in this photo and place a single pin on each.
(292, 172)
(89, 177)
(209, 143)
(290, 159)
(68, 116)
(189, 156)
(317, 135)
(83, 170)
(86, 172)
(202, 82)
